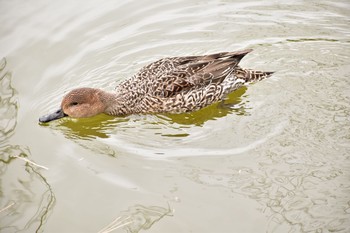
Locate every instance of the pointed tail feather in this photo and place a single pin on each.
(252, 75)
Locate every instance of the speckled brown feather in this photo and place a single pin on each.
(183, 84)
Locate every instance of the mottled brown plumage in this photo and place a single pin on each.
(173, 85)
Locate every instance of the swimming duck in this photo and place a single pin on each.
(169, 85)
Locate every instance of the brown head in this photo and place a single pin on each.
(78, 103)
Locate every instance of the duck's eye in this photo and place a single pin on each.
(74, 103)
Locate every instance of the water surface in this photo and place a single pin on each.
(274, 157)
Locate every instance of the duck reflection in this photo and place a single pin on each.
(233, 104)
(99, 126)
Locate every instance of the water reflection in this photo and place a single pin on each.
(233, 104)
(8, 106)
(138, 218)
(298, 199)
(87, 128)
(85, 131)
(26, 197)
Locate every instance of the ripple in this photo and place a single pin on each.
(138, 218)
(28, 185)
(183, 148)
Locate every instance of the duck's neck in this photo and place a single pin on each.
(114, 103)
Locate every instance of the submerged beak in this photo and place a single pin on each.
(53, 116)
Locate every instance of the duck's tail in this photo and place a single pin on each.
(250, 76)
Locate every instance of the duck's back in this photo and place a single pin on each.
(183, 84)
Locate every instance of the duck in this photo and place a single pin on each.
(170, 85)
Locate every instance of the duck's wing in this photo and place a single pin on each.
(168, 77)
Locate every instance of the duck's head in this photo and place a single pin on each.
(78, 103)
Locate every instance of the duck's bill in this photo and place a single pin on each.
(53, 116)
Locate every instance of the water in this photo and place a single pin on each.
(273, 158)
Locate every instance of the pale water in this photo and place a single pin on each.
(275, 157)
